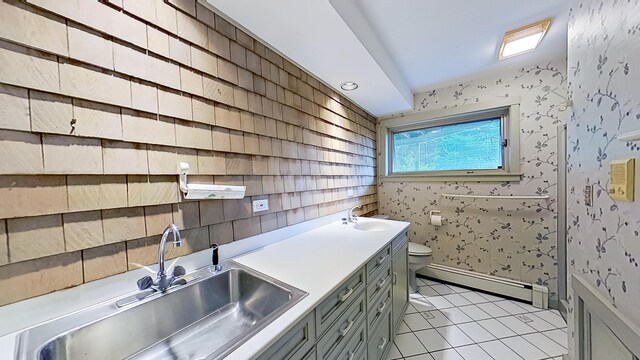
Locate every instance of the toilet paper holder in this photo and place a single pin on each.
(436, 218)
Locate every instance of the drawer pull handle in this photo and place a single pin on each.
(344, 297)
(381, 283)
(382, 306)
(351, 355)
(381, 259)
(344, 331)
(384, 343)
(395, 278)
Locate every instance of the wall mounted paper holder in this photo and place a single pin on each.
(207, 191)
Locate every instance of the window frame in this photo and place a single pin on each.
(508, 110)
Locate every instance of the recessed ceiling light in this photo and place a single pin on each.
(348, 86)
(524, 39)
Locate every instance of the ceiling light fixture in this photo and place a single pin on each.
(348, 86)
(523, 39)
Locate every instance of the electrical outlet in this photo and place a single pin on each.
(588, 195)
(260, 205)
(349, 192)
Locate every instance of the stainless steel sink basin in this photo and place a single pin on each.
(210, 316)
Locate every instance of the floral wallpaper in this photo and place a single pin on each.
(508, 238)
(604, 83)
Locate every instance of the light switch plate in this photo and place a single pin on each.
(260, 205)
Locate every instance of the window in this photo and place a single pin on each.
(473, 145)
(453, 144)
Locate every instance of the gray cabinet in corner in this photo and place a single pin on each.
(400, 281)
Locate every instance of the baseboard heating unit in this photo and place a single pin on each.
(536, 294)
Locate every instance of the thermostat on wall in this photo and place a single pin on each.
(622, 179)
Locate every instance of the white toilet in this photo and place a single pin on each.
(419, 257)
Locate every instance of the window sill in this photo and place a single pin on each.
(496, 178)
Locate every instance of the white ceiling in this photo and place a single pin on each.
(394, 49)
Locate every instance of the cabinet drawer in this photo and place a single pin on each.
(341, 331)
(398, 241)
(380, 339)
(378, 262)
(311, 355)
(379, 307)
(332, 307)
(379, 282)
(356, 347)
(295, 344)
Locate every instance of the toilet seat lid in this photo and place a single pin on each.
(419, 249)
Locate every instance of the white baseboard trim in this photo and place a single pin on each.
(536, 294)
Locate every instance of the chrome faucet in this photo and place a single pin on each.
(163, 282)
(350, 216)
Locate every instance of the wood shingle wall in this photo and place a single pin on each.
(100, 100)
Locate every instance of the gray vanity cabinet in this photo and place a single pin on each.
(400, 281)
(358, 320)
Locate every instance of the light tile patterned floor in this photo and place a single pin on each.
(447, 322)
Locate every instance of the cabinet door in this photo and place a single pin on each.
(295, 343)
(400, 278)
(380, 338)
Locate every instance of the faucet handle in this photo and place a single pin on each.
(344, 221)
(179, 271)
(179, 282)
(145, 282)
(215, 257)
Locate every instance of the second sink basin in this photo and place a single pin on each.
(205, 319)
(371, 225)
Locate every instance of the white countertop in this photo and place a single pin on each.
(315, 261)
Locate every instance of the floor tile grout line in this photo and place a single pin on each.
(445, 340)
(483, 350)
(536, 346)
(479, 343)
(482, 342)
(512, 349)
(473, 320)
(426, 297)
(552, 339)
(414, 334)
(494, 337)
(493, 301)
(443, 312)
